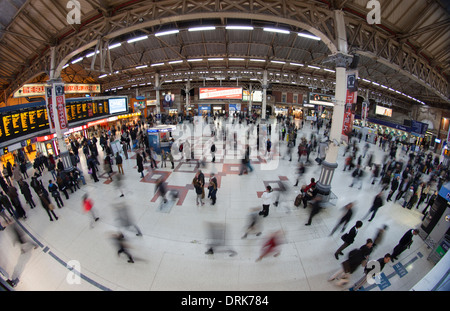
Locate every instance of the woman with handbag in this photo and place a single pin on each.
(47, 205)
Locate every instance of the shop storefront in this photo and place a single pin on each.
(15, 153)
(390, 130)
(204, 110)
(160, 137)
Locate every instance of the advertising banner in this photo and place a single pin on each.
(60, 105)
(220, 93)
(38, 89)
(350, 100)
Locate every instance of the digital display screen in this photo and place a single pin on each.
(220, 93)
(256, 98)
(383, 111)
(117, 105)
(14, 124)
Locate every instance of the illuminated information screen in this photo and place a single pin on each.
(14, 124)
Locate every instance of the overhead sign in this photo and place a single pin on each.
(220, 93)
(383, 111)
(321, 99)
(256, 96)
(38, 89)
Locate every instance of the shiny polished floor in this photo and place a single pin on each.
(72, 254)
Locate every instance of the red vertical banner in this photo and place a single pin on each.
(61, 106)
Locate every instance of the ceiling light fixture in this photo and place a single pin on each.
(269, 29)
(137, 39)
(77, 60)
(239, 27)
(165, 33)
(308, 36)
(115, 46)
(202, 28)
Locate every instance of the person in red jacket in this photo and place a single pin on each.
(88, 208)
(271, 245)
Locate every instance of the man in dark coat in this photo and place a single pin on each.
(356, 258)
(140, 164)
(348, 238)
(377, 203)
(404, 243)
(394, 186)
(25, 189)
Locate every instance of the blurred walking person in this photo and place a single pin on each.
(88, 207)
(254, 223)
(348, 238)
(345, 219)
(271, 246)
(122, 246)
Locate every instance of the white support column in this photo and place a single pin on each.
(188, 88)
(341, 60)
(158, 97)
(264, 99)
(250, 101)
(58, 106)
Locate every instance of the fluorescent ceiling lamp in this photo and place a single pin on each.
(234, 58)
(92, 54)
(296, 64)
(137, 39)
(120, 87)
(115, 46)
(175, 61)
(202, 28)
(239, 27)
(365, 80)
(257, 60)
(276, 30)
(168, 32)
(212, 59)
(313, 67)
(375, 83)
(102, 76)
(65, 66)
(157, 64)
(277, 62)
(329, 70)
(143, 66)
(77, 60)
(305, 35)
(195, 60)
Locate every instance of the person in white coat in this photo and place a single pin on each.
(267, 200)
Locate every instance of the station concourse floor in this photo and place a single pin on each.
(170, 256)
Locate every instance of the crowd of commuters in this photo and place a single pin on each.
(412, 182)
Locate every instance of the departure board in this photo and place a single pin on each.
(7, 126)
(32, 119)
(14, 124)
(25, 121)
